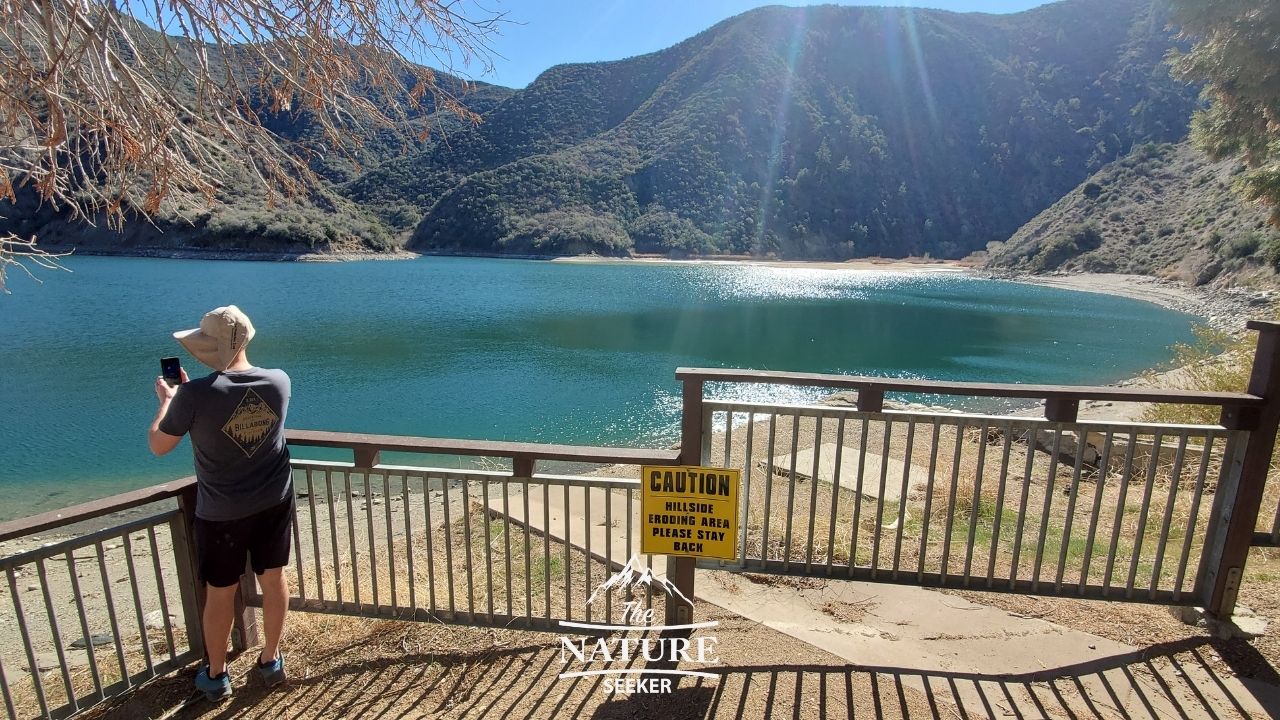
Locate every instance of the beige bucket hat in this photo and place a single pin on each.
(223, 333)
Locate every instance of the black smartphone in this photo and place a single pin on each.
(171, 370)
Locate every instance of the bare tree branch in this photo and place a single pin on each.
(16, 253)
(101, 115)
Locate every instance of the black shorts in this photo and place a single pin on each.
(221, 545)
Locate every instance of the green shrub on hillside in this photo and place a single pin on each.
(1074, 241)
(661, 231)
(1214, 362)
(1242, 246)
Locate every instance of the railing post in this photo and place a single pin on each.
(1236, 514)
(366, 456)
(244, 631)
(680, 569)
(190, 584)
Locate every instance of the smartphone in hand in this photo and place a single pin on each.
(171, 370)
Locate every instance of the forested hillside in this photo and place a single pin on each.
(824, 132)
(1163, 210)
(821, 132)
(241, 216)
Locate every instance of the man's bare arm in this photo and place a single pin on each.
(161, 442)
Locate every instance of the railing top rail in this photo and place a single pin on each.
(481, 448)
(952, 418)
(976, 389)
(49, 550)
(93, 509)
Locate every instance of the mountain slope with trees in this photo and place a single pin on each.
(241, 216)
(1163, 210)
(821, 132)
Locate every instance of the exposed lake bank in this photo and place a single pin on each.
(1223, 308)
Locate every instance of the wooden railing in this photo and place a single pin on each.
(529, 570)
(125, 634)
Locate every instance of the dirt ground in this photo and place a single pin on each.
(358, 668)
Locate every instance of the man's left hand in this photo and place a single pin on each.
(165, 391)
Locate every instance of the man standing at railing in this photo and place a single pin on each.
(244, 501)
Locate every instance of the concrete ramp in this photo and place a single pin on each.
(871, 466)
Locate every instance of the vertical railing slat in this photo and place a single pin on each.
(160, 591)
(333, 535)
(835, 491)
(391, 543)
(930, 476)
(6, 694)
(406, 507)
(506, 543)
(1023, 501)
(56, 632)
(137, 605)
(768, 490)
(32, 667)
(85, 633)
(587, 583)
(528, 548)
(1118, 519)
(975, 503)
(568, 566)
(998, 521)
(1193, 515)
(1099, 488)
(1082, 441)
(546, 550)
(445, 484)
(315, 533)
(430, 533)
(791, 490)
(466, 541)
(745, 503)
(887, 438)
(351, 542)
(814, 481)
(956, 455)
(1171, 498)
(1153, 462)
(372, 540)
(488, 547)
(109, 601)
(857, 497)
(1050, 489)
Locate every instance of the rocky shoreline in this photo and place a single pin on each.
(249, 255)
(1222, 308)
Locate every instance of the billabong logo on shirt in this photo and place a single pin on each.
(251, 423)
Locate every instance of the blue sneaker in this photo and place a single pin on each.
(215, 688)
(272, 673)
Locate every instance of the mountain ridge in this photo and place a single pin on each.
(1162, 210)
(824, 132)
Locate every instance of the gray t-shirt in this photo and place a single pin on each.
(236, 420)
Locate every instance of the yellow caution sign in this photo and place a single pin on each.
(689, 510)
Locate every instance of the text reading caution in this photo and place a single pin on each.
(689, 510)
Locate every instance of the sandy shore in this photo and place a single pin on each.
(862, 264)
(1223, 308)
(195, 254)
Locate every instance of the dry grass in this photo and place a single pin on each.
(996, 509)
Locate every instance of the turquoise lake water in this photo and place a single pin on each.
(506, 349)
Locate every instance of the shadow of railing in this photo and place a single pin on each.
(1181, 679)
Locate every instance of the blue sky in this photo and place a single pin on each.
(543, 33)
